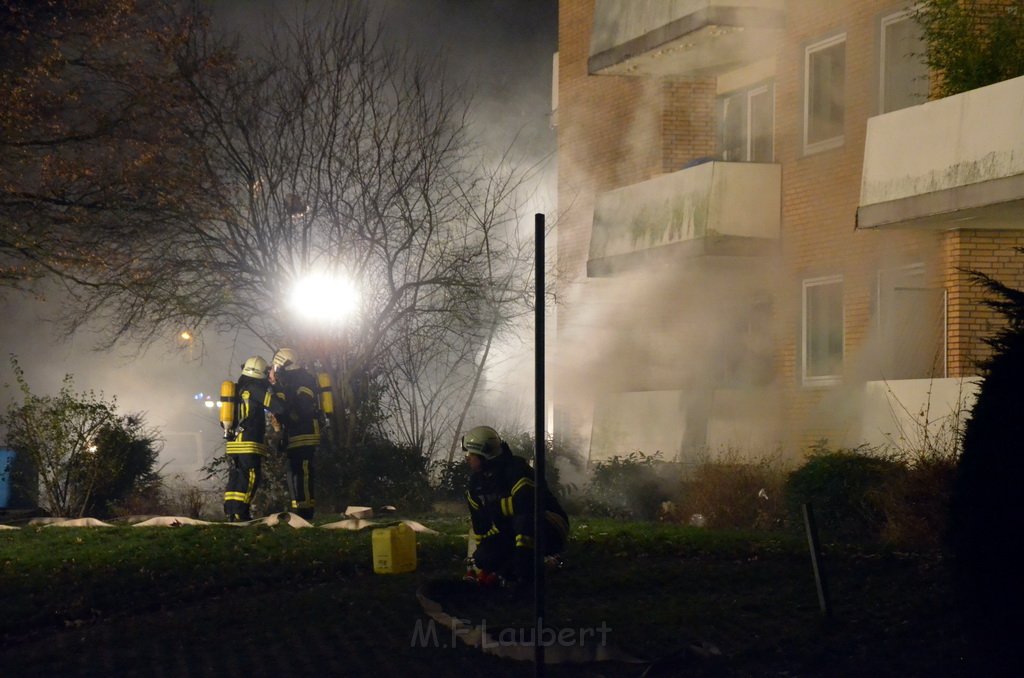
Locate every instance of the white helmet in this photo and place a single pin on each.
(483, 441)
(255, 367)
(285, 358)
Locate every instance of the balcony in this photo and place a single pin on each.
(691, 38)
(913, 414)
(712, 209)
(953, 163)
(685, 426)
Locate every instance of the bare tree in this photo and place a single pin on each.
(328, 152)
(435, 388)
(93, 154)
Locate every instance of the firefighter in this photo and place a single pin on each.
(501, 508)
(297, 390)
(246, 439)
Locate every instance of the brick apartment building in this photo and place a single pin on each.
(764, 226)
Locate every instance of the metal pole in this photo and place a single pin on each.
(540, 440)
(819, 573)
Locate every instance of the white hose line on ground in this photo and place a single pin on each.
(285, 518)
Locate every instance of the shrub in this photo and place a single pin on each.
(129, 480)
(734, 494)
(634, 486)
(844, 488)
(972, 44)
(561, 462)
(450, 479)
(375, 475)
(147, 502)
(85, 458)
(184, 498)
(915, 502)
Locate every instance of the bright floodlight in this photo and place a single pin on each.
(324, 298)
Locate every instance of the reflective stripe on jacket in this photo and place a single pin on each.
(296, 395)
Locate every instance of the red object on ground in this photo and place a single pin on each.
(486, 578)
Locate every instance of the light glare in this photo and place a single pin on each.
(325, 298)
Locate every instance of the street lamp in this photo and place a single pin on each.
(187, 339)
(326, 302)
(324, 298)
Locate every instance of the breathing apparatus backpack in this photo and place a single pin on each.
(228, 411)
(325, 399)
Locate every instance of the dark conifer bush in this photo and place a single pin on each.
(986, 533)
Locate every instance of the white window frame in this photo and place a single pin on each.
(554, 90)
(886, 21)
(833, 142)
(828, 379)
(770, 91)
(744, 97)
(727, 104)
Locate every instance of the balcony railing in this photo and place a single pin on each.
(956, 162)
(692, 38)
(715, 208)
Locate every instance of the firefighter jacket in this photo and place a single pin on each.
(501, 503)
(251, 431)
(293, 401)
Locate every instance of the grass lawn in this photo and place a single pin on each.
(225, 601)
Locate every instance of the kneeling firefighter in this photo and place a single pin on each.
(501, 508)
(297, 390)
(245, 428)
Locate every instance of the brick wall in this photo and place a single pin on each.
(615, 131)
(820, 195)
(593, 153)
(993, 253)
(687, 122)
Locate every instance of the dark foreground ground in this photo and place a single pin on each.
(168, 604)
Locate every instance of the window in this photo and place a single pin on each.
(759, 129)
(822, 330)
(911, 322)
(824, 94)
(746, 124)
(903, 77)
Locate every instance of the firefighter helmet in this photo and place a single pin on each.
(285, 359)
(482, 440)
(255, 367)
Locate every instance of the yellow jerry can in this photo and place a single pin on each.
(394, 549)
